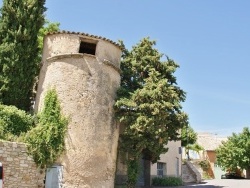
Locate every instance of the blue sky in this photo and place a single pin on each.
(209, 39)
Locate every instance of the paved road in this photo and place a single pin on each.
(221, 183)
(217, 183)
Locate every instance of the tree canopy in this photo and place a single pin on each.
(20, 23)
(235, 152)
(148, 101)
(188, 136)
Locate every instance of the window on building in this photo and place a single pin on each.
(161, 168)
(87, 47)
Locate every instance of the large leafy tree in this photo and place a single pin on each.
(235, 152)
(19, 26)
(148, 102)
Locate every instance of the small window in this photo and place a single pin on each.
(87, 48)
(160, 169)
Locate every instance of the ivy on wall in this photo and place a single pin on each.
(46, 140)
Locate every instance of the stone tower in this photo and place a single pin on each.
(85, 71)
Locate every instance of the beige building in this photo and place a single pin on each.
(210, 142)
(170, 162)
(169, 165)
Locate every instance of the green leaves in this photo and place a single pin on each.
(46, 140)
(19, 63)
(149, 101)
(14, 122)
(235, 152)
(188, 136)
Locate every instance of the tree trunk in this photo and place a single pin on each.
(147, 173)
(248, 173)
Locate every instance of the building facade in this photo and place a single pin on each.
(169, 164)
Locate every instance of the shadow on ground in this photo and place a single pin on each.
(200, 185)
(189, 185)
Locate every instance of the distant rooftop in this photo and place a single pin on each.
(209, 141)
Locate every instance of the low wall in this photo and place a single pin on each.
(194, 171)
(20, 171)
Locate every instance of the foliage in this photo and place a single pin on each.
(19, 25)
(148, 102)
(206, 176)
(205, 165)
(46, 141)
(167, 181)
(188, 140)
(14, 122)
(188, 136)
(235, 152)
(195, 147)
(133, 170)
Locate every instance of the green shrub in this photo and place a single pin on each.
(13, 122)
(133, 171)
(46, 140)
(205, 165)
(167, 181)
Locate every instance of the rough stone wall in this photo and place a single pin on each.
(194, 173)
(86, 86)
(20, 171)
(187, 175)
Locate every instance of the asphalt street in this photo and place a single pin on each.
(219, 183)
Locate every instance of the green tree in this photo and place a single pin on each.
(189, 140)
(188, 136)
(235, 152)
(148, 103)
(19, 26)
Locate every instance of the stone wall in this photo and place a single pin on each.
(86, 85)
(20, 171)
(190, 173)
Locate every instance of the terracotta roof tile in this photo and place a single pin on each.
(210, 142)
(85, 34)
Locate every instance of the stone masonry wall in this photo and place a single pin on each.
(20, 171)
(86, 86)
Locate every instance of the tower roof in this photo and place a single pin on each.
(85, 34)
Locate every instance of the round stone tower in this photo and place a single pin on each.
(85, 71)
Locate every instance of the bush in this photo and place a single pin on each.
(14, 122)
(167, 181)
(133, 171)
(205, 165)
